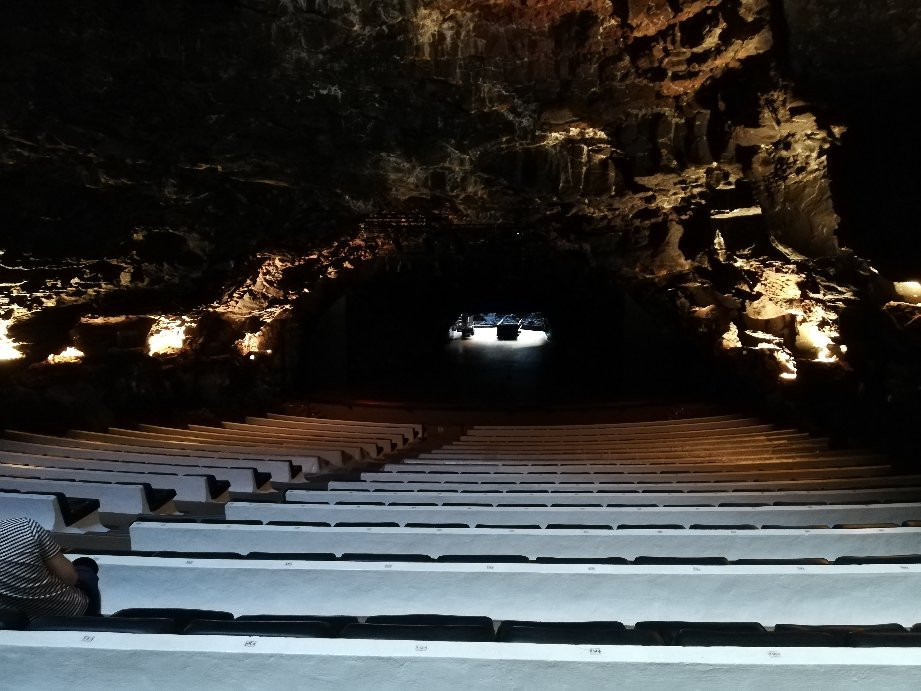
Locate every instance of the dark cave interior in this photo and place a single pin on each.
(706, 197)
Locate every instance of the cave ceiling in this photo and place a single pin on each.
(166, 165)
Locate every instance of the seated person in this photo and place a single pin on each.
(37, 578)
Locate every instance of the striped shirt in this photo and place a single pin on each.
(25, 581)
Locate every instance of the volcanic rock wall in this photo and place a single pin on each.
(182, 178)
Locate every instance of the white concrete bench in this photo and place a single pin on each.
(281, 471)
(551, 434)
(607, 456)
(352, 446)
(653, 442)
(192, 448)
(280, 466)
(45, 510)
(895, 494)
(400, 436)
(416, 465)
(240, 479)
(604, 450)
(703, 475)
(183, 661)
(531, 515)
(187, 487)
(411, 430)
(209, 443)
(836, 594)
(387, 440)
(844, 483)
(113, 498)
(705, 422)
(579, 543)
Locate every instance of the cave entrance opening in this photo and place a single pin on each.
(392, 332)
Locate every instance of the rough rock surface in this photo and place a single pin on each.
(229, 162)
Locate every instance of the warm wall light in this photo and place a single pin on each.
(167, 335)
(816, 334)
(909, 291)
(69, 354)
(730, 339)
(250, 343)
(9, 349)
(786, 361)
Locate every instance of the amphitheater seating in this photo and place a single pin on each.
(633, 497)
(283, 468)
(728, 548)
(240, 479)
(199, 488)
(695, 590)
(111, 497)
(53, 511)
(555, 541)
(410, 431)
(201, 442)
(475, 513)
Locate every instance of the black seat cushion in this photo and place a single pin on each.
(756, 639)
(13, 620)
(396, 632)
(805, 561)
(362, 556)
(578, 526)
(293, 556)
(75, 508)
(429, 620)
(300, 524)
(484, 558)
(843, 628)
(669, 629)
(335, 622)
(883, 639)
(581, 560)
(680, 561)
(650, 526)
(414, 503)
(730, 526)
(841, 632)
(181, 616)
(165, 554)
(367, 524)
(287, 628)
(114, 624)
(158, 497)
(577, 636)
(571, 625)
(894, 559)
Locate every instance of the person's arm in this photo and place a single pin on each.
(61, 567)
(51, 555)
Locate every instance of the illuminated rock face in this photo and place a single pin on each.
(213, 162)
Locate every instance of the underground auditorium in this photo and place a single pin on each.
(460, 344)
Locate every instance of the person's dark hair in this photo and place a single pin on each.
(88, 563)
